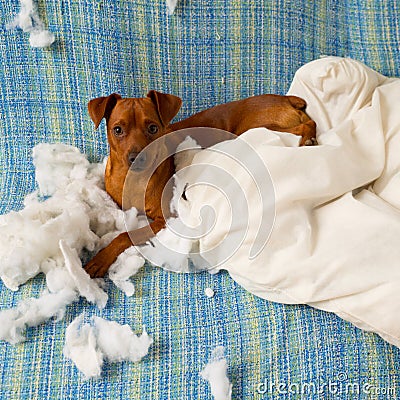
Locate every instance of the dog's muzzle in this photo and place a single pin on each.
(138, 161)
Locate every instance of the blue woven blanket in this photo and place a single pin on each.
(207, 52)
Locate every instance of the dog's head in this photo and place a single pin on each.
(134, 123)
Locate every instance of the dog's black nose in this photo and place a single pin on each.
(137, 160)
(132, 157)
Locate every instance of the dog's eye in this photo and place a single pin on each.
(152, 128)
(118, 131)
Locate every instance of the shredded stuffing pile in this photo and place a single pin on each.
(76, 209)
(69, 218)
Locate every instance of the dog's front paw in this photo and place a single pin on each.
(97, 267)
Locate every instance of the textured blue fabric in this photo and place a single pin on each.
(208, 52)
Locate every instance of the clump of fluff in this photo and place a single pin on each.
(88, 345)
(171, 5)
(127, 264)
(215, 372)
(32, 312)
(64, 286)
(29, 21)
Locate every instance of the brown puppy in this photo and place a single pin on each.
(134, 123)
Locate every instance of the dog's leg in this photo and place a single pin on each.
(98, 266)
(307, 131)
(101, 262)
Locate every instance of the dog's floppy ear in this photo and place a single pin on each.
(101, 107)
(167, 105)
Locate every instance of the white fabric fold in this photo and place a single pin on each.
(335, 241)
